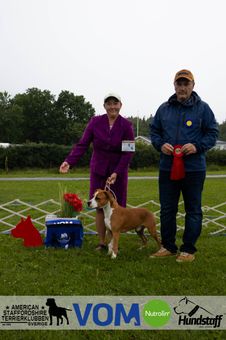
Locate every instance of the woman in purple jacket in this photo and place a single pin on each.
(108, 133)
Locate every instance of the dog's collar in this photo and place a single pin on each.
(107, 205)
(193, 311)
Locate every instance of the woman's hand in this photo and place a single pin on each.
(112, 178)
(64, 168)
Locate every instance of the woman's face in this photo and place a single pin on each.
(112, 107)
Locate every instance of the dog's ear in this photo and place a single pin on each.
(109, 196)
(96, 191)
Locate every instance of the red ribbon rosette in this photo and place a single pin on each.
(177, 170)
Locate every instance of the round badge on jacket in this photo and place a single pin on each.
(189, 123)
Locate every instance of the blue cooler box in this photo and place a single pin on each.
(64, 233)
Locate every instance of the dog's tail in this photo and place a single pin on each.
(151, 226)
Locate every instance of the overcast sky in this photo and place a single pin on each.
(131, 47)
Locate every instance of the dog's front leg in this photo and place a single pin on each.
(50, 319)
(115, 245)
(109, 241)
(110, 247)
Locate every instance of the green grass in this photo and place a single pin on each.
(133, 273)
(83, 271)
(84, 172)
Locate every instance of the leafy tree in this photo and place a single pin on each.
(11, 120)
(4, 99)
(141, 126)
(47, 120)
(76, 113)
(222, 131)
(36, 106)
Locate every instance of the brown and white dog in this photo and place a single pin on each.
(118, 219)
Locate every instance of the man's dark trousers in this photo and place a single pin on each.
(191, 188)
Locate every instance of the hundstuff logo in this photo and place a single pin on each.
(191, 313)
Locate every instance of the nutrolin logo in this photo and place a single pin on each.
(191, 313)
(156, 313)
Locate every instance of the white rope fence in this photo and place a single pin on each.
(214, 218)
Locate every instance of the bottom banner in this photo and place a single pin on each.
(113, 312)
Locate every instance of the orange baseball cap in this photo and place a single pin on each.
(184, 74)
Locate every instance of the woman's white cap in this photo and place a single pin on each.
(112, 95)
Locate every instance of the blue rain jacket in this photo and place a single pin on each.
(180, 123)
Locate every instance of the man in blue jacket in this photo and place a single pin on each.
(183, 129)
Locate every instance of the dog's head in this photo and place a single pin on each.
(50, 302)
(100, 199)
(183, 306)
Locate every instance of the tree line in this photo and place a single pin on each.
(38, 116)
(48, 156)
(141, 127)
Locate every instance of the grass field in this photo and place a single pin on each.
(85, 272)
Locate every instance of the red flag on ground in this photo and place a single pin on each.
(26, 230)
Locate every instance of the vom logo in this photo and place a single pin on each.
(156, 313)
(191, 313)
(104, 314)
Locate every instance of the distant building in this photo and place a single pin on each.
(143, 139)
(220, 145)
(4, 145)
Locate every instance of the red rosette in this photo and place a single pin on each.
(177, 170)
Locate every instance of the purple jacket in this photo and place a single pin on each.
(107, 156)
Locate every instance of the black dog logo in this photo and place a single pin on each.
(186, 306)
(59, 312)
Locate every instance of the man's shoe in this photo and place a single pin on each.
(185, 257)
(162, 252)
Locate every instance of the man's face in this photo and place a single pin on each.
(183, 88)
(112, 107)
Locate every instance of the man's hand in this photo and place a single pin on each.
(188, 149)
(167, 149)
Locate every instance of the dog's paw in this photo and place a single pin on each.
(141, 247)
(110, 250)
(113, 256)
